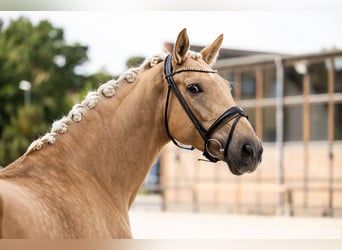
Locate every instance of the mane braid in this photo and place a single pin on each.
(77, 112)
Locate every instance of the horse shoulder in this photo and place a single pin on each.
(38, 199)
(28, 212)
(17, 207)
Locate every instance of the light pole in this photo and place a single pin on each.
(26, 87)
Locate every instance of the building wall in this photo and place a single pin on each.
(189, 184)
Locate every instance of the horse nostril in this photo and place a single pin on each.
(247, 152)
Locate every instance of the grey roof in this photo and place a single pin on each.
(270, 58)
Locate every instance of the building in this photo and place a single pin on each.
(295, 105)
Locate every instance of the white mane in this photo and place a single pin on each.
(107, 89)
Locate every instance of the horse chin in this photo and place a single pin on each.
(238, 167)
(233, 169)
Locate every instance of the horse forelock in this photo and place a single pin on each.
(77, 112)
(194, 55)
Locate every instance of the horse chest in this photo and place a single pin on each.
(28, 214)
(89, 217)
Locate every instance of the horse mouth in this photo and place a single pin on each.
(233, 169)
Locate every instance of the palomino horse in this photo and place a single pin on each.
(80, 179)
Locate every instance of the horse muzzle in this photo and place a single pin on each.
(244, 156)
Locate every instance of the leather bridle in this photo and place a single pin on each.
(232, 113)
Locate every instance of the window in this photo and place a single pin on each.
(318, 77)
(269, 82)
(338, 74)
(248, 87)
(293, 123)
(269, 124)
(319, 121)
(338, 121)
(293, 82)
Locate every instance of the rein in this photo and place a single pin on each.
(232, 113)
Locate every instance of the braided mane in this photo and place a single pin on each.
(77, 112)
(107, 90)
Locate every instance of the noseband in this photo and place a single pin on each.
(228, 115)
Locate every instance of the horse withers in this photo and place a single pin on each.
(80, 179)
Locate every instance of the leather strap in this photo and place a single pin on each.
(234, 112)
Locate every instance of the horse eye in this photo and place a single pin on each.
(194, 89)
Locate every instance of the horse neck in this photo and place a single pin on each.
(139, 133)
(118, 141)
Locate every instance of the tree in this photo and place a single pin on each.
(39, 55)
(92, 82)
(134, 61)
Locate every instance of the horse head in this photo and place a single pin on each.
(200, 110)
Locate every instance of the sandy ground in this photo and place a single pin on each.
(179, 225)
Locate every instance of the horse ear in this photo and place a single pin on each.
(210, 53)
(182, 46)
